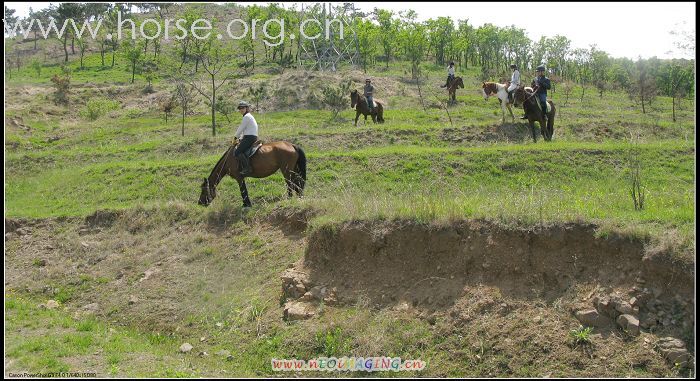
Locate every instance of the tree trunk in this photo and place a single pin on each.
(673, 103)
(213, 106)
(133, 70)
(184, 110)
(65, 47)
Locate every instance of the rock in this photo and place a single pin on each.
(297, 311)
(294, 283)
(148, 273)
(201, 339)
(8, 236)
(606, 307)
(219, 325)
(633, 301)
(51, 304)
(186, 347)
(94, 307)
(223, 353)
(629, 323)
(592, 318)
(624, 308)
(537, 319)
(331, 298)
(203, 354)
(674, 351)
(133, 299)
(83, 231)
(21, 231)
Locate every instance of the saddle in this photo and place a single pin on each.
(254, 148)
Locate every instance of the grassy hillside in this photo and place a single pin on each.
(222, 265)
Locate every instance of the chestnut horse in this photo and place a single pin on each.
(501, 92)
(359, 100)
(452, 89)
(287, 157)
(525, 96)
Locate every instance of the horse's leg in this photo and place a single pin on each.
(244, 193)
(510, 110)
(357, 116)
(503, 110)
(532, 128)
(288, 179)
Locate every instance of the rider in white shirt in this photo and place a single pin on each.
(450, 73)
(514, 81)
(247, 133)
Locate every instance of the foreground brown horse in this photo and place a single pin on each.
(525, 97)
(287, 157)
(358, 99)
(452, 89)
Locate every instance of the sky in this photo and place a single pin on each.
(630, 30)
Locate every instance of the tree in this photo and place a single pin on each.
(133, 52)
(184, 92)
(600, 69)
(643, 88)
(82, 46)
(582, 60)
(387, 32)
(674, 79)
(150, 72)
(367, 37)
(214, 61)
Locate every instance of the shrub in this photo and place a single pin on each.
(96, 108)
(336, 97)
(62, 85)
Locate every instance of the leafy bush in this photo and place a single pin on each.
(336, 98)
(96, 108)
(62, 85)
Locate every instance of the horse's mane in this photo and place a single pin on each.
(220, 163)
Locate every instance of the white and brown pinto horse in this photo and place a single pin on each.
(489, 89)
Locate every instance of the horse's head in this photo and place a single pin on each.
(208, 193)
(519, 96)
(488, 89)
(353, 98)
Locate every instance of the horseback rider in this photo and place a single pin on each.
(450, 73)
(514, 82)
(540, 85)
(247, 133)
(369, 93)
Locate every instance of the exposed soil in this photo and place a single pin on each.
(437, 268)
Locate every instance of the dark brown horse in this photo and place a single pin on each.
(452, 89)
(270, 157)
(360, 101)
(534, 113)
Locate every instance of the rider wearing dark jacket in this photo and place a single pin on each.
(540, 85)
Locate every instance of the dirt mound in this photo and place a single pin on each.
(406, 264)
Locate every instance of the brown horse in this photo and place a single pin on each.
(287, 157)
(534, 113)
(358, 99)
(452, 89)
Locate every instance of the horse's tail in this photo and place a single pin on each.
(300, 167)
(380, 113)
